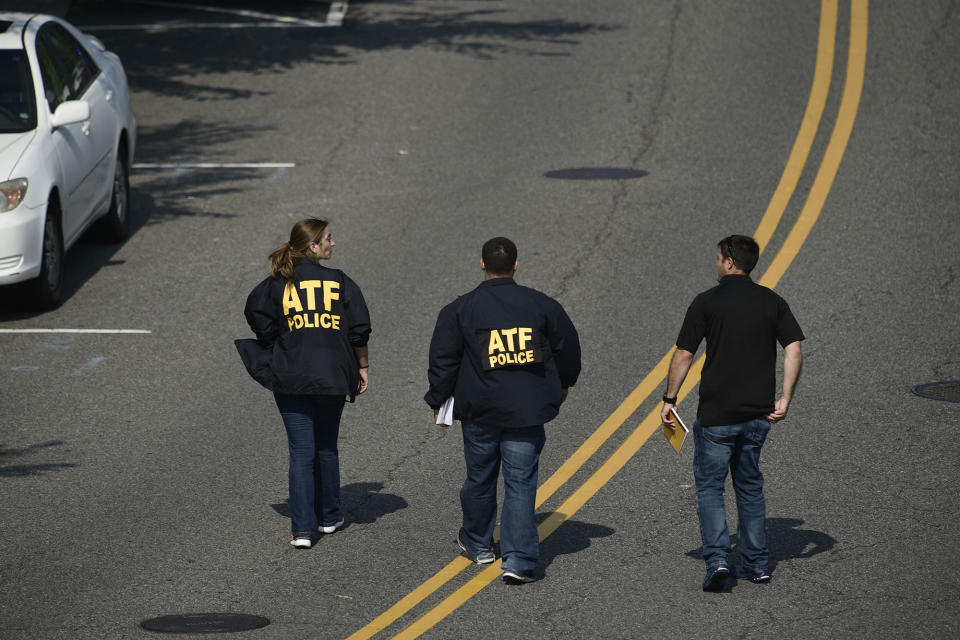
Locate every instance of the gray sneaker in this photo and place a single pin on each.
(331, 528)
(484, 557)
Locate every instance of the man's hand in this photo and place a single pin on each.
(779, 410)
(679, 366)
(666, 417)
(792, 365)
(364, 380)
(436, 414)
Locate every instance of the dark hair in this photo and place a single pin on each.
(743, 250)
(499, 255)
(303, 233)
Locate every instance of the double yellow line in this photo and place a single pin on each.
(843, 126)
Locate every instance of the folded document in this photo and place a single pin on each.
(445, 416)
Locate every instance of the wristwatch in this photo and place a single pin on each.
(669, 400)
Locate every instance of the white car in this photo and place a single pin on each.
(67, 136)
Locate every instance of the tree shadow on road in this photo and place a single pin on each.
(362, 503)
(23, 470)
(196, 64)
(786, 542)
(572, 536)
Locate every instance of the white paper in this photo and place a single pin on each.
(445, 416)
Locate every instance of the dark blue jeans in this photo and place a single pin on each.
(313, 424)
(735, 447)
(517, 451)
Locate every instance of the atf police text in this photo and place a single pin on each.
(309, 316)
(511, 346)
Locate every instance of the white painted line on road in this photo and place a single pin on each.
(246, 13)
(110, 331)
(175, 26)
(335, 16)
(213, 165)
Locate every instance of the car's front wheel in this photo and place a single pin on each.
(44, 291)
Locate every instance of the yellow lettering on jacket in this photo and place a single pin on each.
(509, 333)
(524, 334)
(290, 299)
(310, 317)
(331, 290)
(310, 286)
(511, 346)
(496, 344)
(313, 321)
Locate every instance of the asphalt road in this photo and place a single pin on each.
(144, 475)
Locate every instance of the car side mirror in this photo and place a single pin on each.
(71, 112)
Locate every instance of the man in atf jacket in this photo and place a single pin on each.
(507, 355)
(307, 332)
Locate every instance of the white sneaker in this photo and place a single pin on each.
(336, 526)
(301, 542)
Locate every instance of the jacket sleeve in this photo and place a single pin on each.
(358, 330)
(565, 344)
(263, 313)
(446, 354)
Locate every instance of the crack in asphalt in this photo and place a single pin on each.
(648, 128)
(596, 241)
(392, 472)
(951, 278)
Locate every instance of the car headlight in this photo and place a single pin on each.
(12, 193)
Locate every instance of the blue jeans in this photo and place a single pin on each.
(517, 451)
(313, 424)
(735, 447)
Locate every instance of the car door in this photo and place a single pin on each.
(83, 149)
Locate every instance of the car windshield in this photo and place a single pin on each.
(17, 108)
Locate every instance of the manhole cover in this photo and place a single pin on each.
(205, 623)
(596, 173)
(948, 390)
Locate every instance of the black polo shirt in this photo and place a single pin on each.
(742, 322)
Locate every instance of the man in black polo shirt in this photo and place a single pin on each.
(507, 354)
(742, 323)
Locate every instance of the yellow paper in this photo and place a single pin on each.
(676, 436)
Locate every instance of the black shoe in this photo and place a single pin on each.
(715, 578)
(484, 557)
(754, 575)
(517, 577)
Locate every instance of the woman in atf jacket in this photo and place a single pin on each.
(312, 328)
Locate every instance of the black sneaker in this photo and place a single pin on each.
(754, 575)
(484, 557)
(715, 578)
(511, 576)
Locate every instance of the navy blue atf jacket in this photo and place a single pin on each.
(306, 331)
(505, 352)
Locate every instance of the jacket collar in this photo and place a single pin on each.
(496, 282)
(734, 278)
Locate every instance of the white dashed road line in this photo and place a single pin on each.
(111, 331)
(213, 165)
(335, 16)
